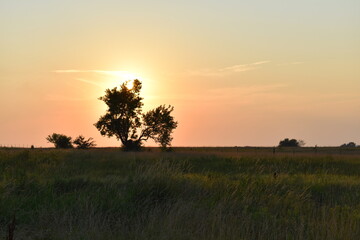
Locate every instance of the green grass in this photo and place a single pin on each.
(187, 194)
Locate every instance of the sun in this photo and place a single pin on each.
(125, 75)
(116, 78)
(119, 77)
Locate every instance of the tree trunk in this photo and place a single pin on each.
(130, 146)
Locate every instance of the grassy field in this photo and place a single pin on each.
(191, 193)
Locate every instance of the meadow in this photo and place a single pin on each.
(190, 193)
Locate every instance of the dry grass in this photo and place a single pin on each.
(187, 194)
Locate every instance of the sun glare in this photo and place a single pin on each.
(120, 77)
(116, 78)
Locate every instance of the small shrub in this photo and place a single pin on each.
(82, 143)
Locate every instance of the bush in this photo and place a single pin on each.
(82, 143)
(350, 144)
(60, 140)
(291, 143)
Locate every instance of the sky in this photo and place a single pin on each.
(239, 73)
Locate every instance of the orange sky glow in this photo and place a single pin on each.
(239, 73)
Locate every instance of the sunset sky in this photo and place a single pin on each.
(239, 73)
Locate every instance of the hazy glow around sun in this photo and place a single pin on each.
(110, 78)
(119, 77)
(116, 77)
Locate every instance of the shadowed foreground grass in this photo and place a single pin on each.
(107, 194)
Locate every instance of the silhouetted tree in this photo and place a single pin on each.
(124, 119)
(350, 144)
(158, 125)
(291, 143)
(60, 140)
(82, 143)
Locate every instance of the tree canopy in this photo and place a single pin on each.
(124, 118)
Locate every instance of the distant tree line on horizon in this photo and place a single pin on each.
(63, 141)
(349, 145)
(300, 143)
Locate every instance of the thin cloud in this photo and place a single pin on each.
(230, 93)
(89, 82)
(229, 70)
(124, 75)
(110, 72)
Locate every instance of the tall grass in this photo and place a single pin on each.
(108, 194)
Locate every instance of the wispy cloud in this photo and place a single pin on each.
(227, 93)
(89, 82)
(228, 70)
(107, 72)
(119, 75)
(243, 67)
